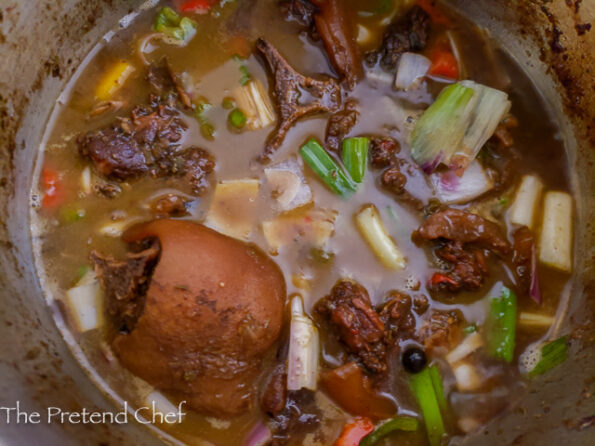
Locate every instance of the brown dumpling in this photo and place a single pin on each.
(213, 307)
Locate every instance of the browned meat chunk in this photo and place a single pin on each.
(398, 317)
(464, 227)
(213, 308)
(127, 148)
(349, 309)
(340, 124)
(464, 237)
(125, 283)
(500, 156)
(300, 11)
(337, 33)
(442, 329)
(147, 143)
(524, 257)
(383, 151)
(169, 205)
(470, 267)
(194, 165)
(408, 34)
(274, 396)
(394, 181)
(288, 86)
(300, 416)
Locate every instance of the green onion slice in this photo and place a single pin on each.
(395, 424)
(423, 385)
(543, 358)
(170, 23)
(327, 169)
(501, 326)
(355, 157)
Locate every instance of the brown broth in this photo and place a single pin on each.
(64, 247)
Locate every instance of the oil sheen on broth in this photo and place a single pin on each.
(192, 155)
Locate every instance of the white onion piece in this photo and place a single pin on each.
(412, 67)
(84, 303)
(233, 207)
(304, 348)
(535, 320)
(555, 244)
(465, 348)
(288, 182)
(467, 377)
(522, 211)
(372, 229)
(450, 188)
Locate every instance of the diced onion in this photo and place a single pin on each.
(471, 343)
(522, 211)
(412, 67)
(314, 227)
(555, 244)
(304, 348)
(86, 179)
(372, 229)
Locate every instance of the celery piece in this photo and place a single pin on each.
(501, 326)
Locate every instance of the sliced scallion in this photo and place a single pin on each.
(327, 169)
(501, 326)
(439, 131)
(396, 424)
(355, 157)
(422, 385)
(542, 358)
(455, 127)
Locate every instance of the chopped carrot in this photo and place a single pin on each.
(54, 192)
(196, 6)
(354, 431)
(444, 64)
(434, 11)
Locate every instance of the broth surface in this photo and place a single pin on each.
(64, 243)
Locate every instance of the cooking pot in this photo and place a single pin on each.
(42, 42)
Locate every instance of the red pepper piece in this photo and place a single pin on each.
(354, 431)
